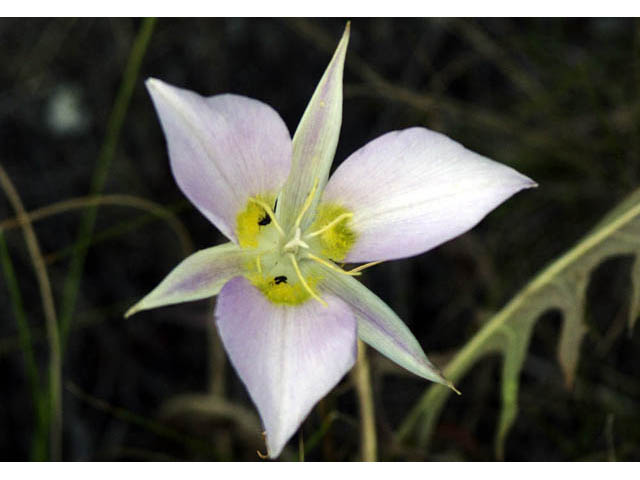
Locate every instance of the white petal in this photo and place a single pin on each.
(414, 189)
(288, 357)
(200, 275)
(223, 149)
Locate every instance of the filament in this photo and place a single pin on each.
(331, 265)
(338, 219)
(303, 281)
(362, 267)
(307, 204)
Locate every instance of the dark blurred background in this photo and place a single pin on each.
(557, 99)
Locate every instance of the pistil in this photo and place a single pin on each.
(292, 245)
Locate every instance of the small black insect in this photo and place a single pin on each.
(280, 279)
(266, 220)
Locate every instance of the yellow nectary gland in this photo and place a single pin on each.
(251, 220)
(335, 242)
(283, 290)
(279, 267)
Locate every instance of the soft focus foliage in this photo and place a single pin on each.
(562, 286)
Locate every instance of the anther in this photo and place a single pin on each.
(266, 220)
(267, 209)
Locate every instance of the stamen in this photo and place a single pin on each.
(307, 204)
(330, 265)
(259, 264)
(362, 267)
(329, 225)
(267, 209)
(303, 281)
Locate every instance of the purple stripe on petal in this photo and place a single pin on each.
(288, 357)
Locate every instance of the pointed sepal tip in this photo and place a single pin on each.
(133, 310)
(452, 387)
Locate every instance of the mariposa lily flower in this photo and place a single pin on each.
(288, 313)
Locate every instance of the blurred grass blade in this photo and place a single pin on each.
(132, 418)
(39, 443)
(315, 438)
(107, 152)
(635, 294)
(132, 201)
(53, 336)
(206, 407)
(116, 231)
(23, 326)
(561, 286)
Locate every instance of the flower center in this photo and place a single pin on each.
(296, 242)
(285, 265)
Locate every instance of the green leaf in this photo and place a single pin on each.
(561, 286)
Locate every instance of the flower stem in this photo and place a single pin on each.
(362, 379)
